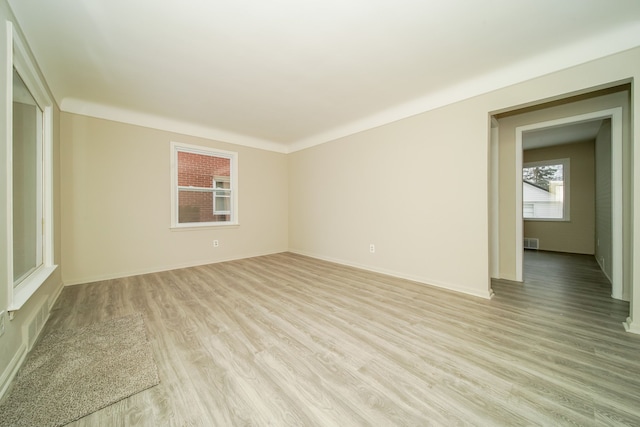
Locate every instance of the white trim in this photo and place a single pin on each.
(130, 273)
(18, 57)
(422, 280)
(168, 124)
(494, 217)
(615, 114)
(617, 238)
(583, 51)
(233, 177)
(12, 369)
(29, 286)
(631, 326)
(519, 247)
(9, 158)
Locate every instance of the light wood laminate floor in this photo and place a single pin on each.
(288, 340)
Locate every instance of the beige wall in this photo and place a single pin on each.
(404, 187)
(576, 235)
(418, 188)
(14, 342)
(116, 203)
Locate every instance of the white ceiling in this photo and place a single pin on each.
(288, 74)
(565, 134)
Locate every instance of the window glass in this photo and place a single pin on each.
(27, 181)
(544, 190)
(205, 188)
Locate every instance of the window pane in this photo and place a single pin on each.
(195, 206)
(205, 173)
(199, 170)
(223, 204)
(542, 176)
(26, 162)
(543, 191)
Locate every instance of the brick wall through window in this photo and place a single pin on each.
(199, 171)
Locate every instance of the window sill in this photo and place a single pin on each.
(29, 286)
(547, 219)
(208, 226)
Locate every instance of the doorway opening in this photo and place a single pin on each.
(529, 128)
(528, 133)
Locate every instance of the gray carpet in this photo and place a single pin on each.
(72, 373)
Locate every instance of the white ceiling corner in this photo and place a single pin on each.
(285, 75)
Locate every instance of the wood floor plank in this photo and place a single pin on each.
(290, 340)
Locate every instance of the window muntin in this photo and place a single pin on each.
(205, 191)
(545, 192)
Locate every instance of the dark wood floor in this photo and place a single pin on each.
(289, 340)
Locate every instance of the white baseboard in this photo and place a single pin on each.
(99, 278)
(12, 369)
(488, 294)
(54, 297)
(602, 269)
(16, 362)
(631, 326)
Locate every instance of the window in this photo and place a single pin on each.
(29, 177)
(204, 189)
(545, 190)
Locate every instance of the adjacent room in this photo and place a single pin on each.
(319, 213)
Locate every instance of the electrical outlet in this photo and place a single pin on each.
(2, 316)
(372, 248)
(216, 243)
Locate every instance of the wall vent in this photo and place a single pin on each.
(531, 243)
(36, 324)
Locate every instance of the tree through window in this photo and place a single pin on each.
(545, 190)
(543, 176)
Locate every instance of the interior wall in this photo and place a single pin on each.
(405, 188)
(576, 235)
(507, 146)
(116, 203)
(418, 188)
(604, 238)
(14, 342)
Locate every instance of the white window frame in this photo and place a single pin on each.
(177, 147)
(566, 174)
(18, 58)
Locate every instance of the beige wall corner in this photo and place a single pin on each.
(116, 203)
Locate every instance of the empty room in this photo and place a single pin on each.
(336, 213)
